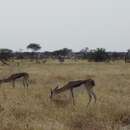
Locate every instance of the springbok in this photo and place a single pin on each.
(12, 78)
(88, 84)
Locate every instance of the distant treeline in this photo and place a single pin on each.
(48, 54)
(97, 55)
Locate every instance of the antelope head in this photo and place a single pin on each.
(91, 82)
(53, 91)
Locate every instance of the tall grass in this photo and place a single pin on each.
(32, 109)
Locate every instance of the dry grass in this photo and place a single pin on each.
(31, 109)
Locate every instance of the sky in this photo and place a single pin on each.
(74, 24)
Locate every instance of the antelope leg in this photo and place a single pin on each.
(13, 83)
(90, 98)
(94, 95)
(72, 93)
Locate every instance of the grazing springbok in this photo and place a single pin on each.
(12, 78)
(88, 84)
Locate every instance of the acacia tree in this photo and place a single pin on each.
(62, 52)
(34, 47)
(98, 55)
(5, 55)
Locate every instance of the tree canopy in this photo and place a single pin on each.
(62, 52)
(98, 55)
(4, 50)
(34, 47)
(5, 55)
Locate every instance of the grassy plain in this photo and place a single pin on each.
(31, 109)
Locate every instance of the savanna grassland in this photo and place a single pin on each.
(32, 109)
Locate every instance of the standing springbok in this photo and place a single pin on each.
(88, 84)
(12, 78)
